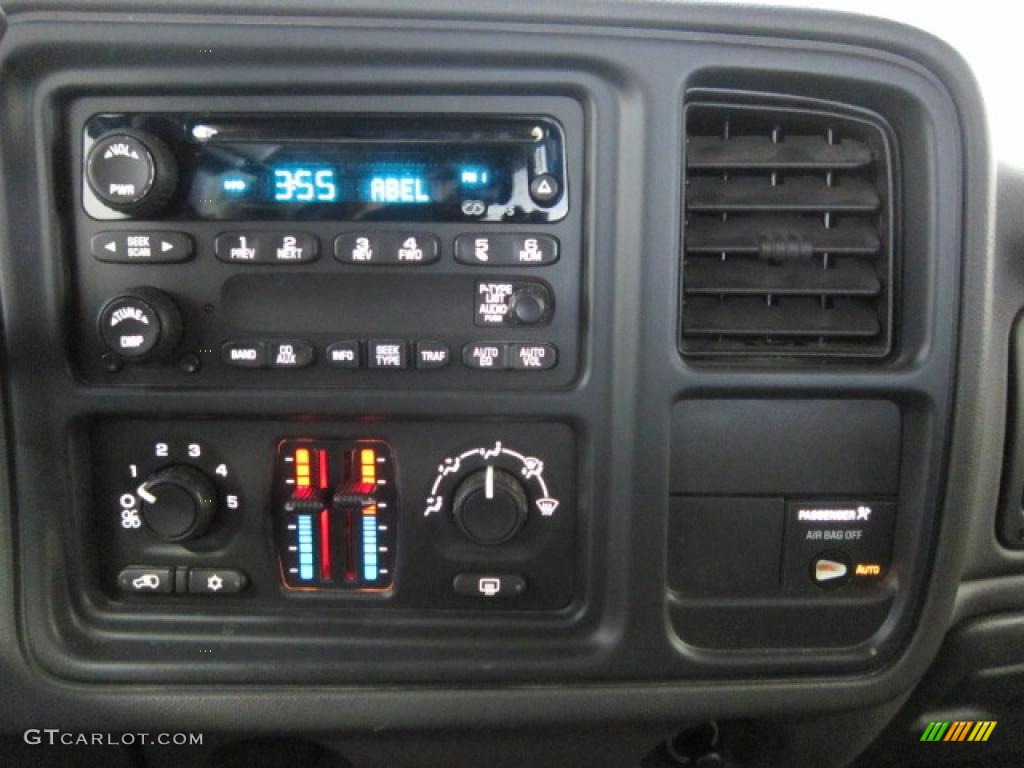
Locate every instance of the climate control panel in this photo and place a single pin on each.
(430, 515)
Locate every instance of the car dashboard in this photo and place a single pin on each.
(613, 383)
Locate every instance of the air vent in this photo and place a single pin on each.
(789, 234)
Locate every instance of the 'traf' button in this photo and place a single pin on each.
(432, 354)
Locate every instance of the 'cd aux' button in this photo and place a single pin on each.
(290, 353)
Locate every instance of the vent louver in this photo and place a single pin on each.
(788, 242)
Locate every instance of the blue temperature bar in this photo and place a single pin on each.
(370, 571)
(306, 547)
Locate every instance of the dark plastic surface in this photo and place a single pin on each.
(630, 68)
(722, 547)
(827, 447)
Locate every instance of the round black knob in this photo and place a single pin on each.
(132, 172)
(178, 502)
(143, 324)
(529, 305)
(490, 506)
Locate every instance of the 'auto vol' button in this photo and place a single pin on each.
(532, 357)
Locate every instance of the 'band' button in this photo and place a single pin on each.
(244, 354)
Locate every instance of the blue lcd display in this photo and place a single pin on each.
(304, 184)
(406, 188)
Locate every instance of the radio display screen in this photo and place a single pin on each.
(309, 174)
(353, 167)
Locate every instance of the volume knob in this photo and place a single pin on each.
(490, 506)
(132, 172)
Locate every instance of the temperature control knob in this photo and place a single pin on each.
(131, 171)
(143, 324)
(490, 506)
(178, 502)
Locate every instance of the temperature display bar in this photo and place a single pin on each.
(336, 504)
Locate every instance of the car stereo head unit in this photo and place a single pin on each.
(349, 167)
(217, 246)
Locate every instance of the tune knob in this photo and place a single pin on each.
(132, 172)
(178, 502)
(490, 506)
(530, 305)
(143, 324)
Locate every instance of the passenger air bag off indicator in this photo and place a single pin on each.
(843, 545)
(335, 501)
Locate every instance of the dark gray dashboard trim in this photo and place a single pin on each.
(972, 484)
